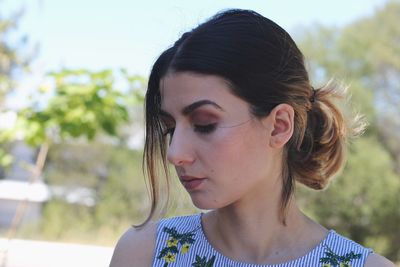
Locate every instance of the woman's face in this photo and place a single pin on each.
(222, 154)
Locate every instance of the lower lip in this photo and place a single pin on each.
(192, 184)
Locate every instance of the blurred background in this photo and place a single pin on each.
(72, 79)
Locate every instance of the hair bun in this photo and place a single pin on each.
(321, 152)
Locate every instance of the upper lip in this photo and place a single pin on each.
(187, 178)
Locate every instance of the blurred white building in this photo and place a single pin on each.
(12, 193)
(15, 189)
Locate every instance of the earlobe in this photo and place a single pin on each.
(282, 117)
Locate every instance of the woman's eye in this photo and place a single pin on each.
(202, 129)
(205, 129)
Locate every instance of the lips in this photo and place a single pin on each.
(190, 182)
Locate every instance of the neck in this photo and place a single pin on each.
(258, 235)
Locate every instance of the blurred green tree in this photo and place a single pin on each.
(363, 201)
(82, 104)
(13, 62)
(115, 174)
(367, 53)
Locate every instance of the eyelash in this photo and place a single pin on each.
(205, 129)
(201, 129)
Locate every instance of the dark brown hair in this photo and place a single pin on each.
(265, 68)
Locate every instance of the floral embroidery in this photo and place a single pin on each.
(170, 257)
(172, 242)
(176, 243)
(185, 248)
(332, 259)
(202, 262)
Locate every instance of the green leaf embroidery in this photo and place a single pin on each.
(332, 259)
(202, 261)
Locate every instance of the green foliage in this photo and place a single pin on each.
(61, 218)
(366, 48)
(115, 173)
(5, 158)
(78, 164)
(370, 45)
(11, 62)
(11, 59)
(366, 54)
(123, 196)
(83, 104)
(362, 202)
(319, 44)
(137, 85)
(116, 176)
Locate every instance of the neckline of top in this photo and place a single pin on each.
(246, 264)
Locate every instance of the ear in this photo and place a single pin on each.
(282, 121)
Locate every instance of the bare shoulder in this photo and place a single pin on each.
(135, 247)
(376, 260)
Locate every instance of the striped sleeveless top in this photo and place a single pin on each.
(180, 242)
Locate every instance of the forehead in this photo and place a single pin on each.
(187, 87)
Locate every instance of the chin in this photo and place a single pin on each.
(203, 206)
(205, 203)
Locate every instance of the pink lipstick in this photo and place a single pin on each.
(191, 183)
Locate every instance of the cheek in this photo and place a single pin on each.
(227, 150)
(238, 153)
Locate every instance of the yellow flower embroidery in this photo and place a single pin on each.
(185, 248)
(170, 257)
(175, 244)
(172, 242)
(326, 265)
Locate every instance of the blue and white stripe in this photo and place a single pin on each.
(201, 247)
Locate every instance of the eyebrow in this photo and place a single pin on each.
(192, 107)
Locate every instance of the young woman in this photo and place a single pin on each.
(231, 106)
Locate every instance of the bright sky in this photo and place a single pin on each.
(99, 34)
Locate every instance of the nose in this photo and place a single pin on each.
(180, 148)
